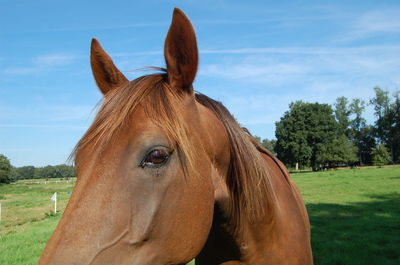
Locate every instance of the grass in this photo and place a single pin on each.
(27, 219)
(23, 204)
(354, 213)
(25, 246)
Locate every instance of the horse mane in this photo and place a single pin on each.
(159, 101)
(264, 150)
(248, 180)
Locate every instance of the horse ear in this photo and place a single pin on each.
(105, 73)
(180, 52)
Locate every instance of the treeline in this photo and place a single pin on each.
(317, 136)
(8, 173)
(31, 172)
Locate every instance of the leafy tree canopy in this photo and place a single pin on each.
(5, 169)
(309, 134)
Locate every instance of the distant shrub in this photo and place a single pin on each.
(380, 155)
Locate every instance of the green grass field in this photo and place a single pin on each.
(355, 216)
(27, 219)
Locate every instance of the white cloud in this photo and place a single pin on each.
(267, 50)
(53, 60)
(373, 23)
(277, 20)
(130, 54)
(280, 66)
(104, 27)
(57, 126)
(255, 72)
(46, 114)
(380, 21)
(310, 50)
(21, 70)
(42, 63)
(70, 112)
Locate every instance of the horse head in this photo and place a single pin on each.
(144, 191)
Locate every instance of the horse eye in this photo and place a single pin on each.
(156, 157)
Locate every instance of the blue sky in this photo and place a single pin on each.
(255, 56)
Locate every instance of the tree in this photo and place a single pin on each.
(258, 138)
(380, 102)
(291, 134)
(380, 155)
(396, 127)
(65, 171)
(269, 144)
(339, 152)
(357, 108)
(365, 144)
(58, 171)
(358, 131)
(26, 172)
(14, 173)
(387, 125)
(353, 125)
(5, 169)
(46, 172)
(304, 132)
(342, 114)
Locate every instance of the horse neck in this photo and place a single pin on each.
(264, 242)
(254, 241)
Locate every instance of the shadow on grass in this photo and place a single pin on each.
(358, 233)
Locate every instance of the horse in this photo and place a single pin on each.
(165, 175)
